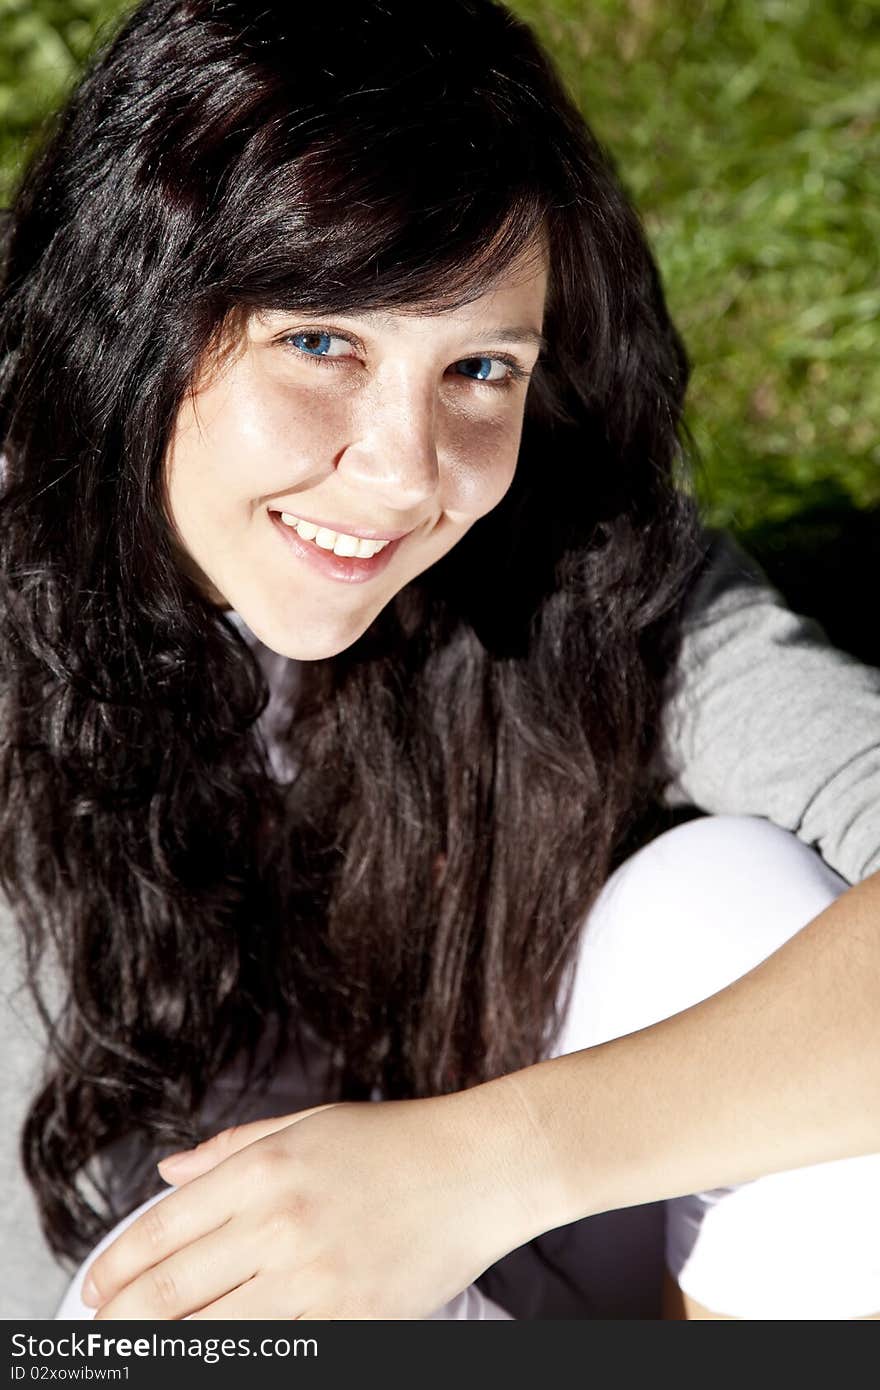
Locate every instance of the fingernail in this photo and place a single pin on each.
(171, 1159)
(90, 1293)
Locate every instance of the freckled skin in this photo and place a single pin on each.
(390, 438)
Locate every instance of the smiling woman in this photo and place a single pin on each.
(312, 275)
(342, 560)
(368, 469)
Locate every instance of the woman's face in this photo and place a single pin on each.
(318, 440)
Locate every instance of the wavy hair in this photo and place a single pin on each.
(469, 769)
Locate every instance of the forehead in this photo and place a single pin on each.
(513, 302)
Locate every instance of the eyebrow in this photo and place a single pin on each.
(510, 333)
(519, 335)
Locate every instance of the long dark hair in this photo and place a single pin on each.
(467, 770)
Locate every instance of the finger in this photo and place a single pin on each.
(169, 1225)
(258, 1299)
(206, 1270)
(191, 1162)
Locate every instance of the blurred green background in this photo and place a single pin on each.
(748, 133)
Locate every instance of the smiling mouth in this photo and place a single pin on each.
(349, 544)
(337, 554)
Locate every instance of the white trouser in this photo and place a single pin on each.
(693, 911)
(696, 909)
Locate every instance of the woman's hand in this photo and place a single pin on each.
(354, 1210)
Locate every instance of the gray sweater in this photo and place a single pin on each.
(765, 719)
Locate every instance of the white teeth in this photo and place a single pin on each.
(337, 541)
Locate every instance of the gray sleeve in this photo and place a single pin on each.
(766, 718)
(32, 1281)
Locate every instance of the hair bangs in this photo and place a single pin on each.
(359, 221)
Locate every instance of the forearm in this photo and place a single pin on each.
(779, 1070)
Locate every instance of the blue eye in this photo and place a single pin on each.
(316, 342)
(483, 368)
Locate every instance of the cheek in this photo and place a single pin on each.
(481, 463)
(294, 424)
(249, 437)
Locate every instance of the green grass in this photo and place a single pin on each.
(42, 46)
(748, 132)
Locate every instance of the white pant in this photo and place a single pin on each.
(687, 915)
(695, 910)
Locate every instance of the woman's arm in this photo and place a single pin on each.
(779, 1070)
(387, 1209)
(782, 1068)
(766, 718)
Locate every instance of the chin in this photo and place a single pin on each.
(305, 644)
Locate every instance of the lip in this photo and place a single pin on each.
(345, 569)
(362, 532)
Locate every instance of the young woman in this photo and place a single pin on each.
(336, 345)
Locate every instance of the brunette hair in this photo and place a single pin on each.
(468, 770)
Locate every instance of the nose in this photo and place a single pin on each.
(393, 453)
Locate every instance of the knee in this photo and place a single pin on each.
(742, 861)
(799, 1244)
(685, 916)
(735, 886)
